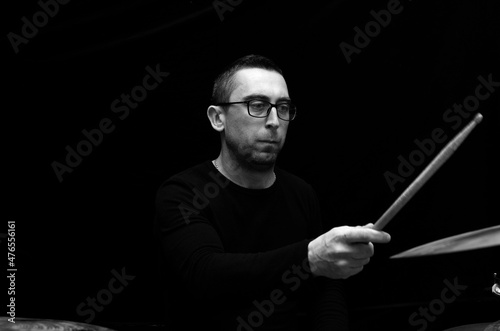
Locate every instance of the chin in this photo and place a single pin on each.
(263, 163)
(262, 166)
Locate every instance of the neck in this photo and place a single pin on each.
(243, 176)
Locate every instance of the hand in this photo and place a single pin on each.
(343, 251)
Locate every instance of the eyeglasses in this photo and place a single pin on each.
(260, 108)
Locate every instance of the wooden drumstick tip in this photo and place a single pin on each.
(478, 118)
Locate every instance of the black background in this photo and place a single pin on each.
(353, 122)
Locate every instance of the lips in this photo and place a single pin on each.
(269, 140)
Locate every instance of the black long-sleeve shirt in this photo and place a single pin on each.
(236, 258)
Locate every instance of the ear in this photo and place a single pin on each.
(216, 117)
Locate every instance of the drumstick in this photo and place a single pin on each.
(435, 164)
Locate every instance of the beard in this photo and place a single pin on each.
(254, 158)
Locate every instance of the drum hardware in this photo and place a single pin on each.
(496, 284)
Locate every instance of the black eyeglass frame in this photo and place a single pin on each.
(268, 110)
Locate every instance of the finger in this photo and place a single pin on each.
(364, 234)
(359, 262)
(362, 250)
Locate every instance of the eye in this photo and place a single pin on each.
(283, 108)
(258, 105)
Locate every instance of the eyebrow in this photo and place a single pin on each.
(264, 97)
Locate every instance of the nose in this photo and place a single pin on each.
(272, 119)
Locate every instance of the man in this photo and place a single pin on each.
(241, 239)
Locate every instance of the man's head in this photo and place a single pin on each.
(224, 84)
(253, 142)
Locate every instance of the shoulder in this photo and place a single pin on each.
(194, 172)
(190, 177)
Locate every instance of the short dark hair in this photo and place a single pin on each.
(224, 83)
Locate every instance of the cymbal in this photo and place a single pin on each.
(495, 326)
(32, 324)
(482, 238)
